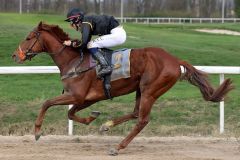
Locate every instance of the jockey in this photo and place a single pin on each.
(106, 27)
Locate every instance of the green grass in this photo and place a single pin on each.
(181, 111)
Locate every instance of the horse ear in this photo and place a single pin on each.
(40, 25)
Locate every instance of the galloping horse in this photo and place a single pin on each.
(153, 72)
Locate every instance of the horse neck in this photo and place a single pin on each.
(65, 58)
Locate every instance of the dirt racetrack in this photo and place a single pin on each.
(96, 147)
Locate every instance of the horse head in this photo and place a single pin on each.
(43, 38)
(49, 38)
(30, 46)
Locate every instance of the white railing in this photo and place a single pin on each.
(53, 69)
(158, 20)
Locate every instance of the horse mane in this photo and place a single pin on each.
(55, 30)
(58, 33)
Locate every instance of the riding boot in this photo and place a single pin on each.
(105, 67)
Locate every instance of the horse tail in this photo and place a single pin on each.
(199, 79)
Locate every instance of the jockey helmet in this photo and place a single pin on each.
(74, 15)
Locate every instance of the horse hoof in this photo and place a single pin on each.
(37, 136)
(95, 114)
(113, 152)
(104, 128)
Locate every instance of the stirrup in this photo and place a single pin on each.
(107, 86)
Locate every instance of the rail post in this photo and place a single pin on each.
(70, 123)
(221, 108)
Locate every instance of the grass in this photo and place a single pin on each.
(181, 111)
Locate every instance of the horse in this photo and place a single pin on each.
(153, 71)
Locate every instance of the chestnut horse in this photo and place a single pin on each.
(153, 72)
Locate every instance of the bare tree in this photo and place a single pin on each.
(193, 8)
(197, 8)
(140, 6)
(97, 6)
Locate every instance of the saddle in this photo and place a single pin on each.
(119, 60)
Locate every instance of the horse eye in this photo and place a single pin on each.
(27, 38)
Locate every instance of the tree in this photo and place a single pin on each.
(97, 6)
(139, 6)
(197, 8)
(237, 8)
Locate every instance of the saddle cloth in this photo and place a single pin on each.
(120, 63)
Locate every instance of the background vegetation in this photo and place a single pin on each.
(181, 111)
(160, 8)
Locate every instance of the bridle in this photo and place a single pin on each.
(29, 53)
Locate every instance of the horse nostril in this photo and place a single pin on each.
(13, 56)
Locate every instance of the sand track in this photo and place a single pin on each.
(219, 31)
(96, 147)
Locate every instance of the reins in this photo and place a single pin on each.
(71, 74)
(75, 72)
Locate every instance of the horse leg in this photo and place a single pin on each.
(151, 93)
(106, 126)
(60, 100)
(143, 119)
(76, 108)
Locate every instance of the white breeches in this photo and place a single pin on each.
(117, 37)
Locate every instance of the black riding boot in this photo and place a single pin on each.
(105, 67)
